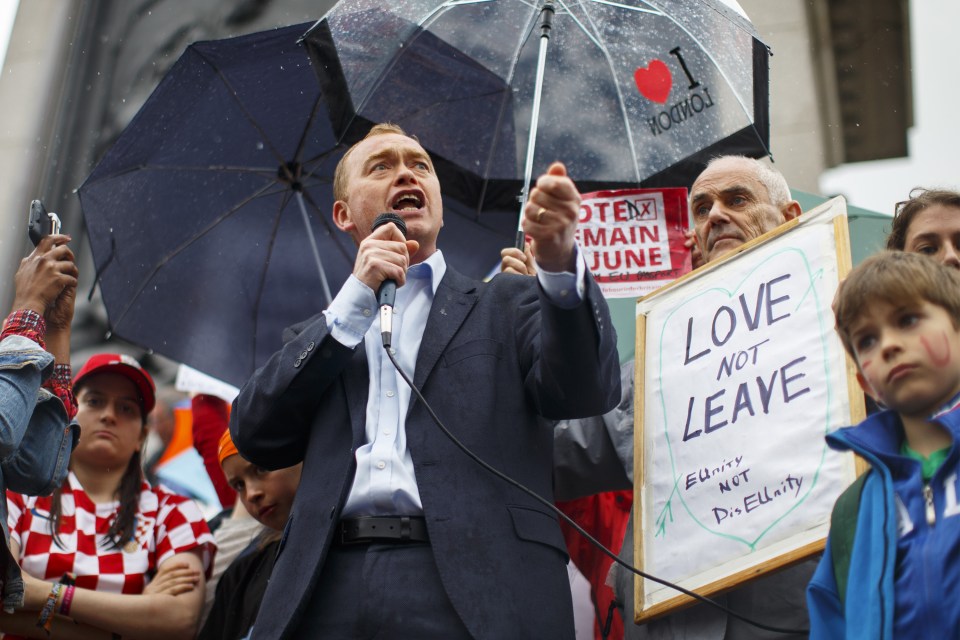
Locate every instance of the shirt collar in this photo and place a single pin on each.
(433, 268)
(952, 404)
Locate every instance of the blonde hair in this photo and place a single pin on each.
(340, 185)
(897, 278)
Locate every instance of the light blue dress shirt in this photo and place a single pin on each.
(385, 483)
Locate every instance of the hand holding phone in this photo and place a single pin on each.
(40, 223)
(46, 281)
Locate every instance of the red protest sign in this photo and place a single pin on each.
(633, 239)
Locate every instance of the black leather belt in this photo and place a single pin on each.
(366, 529)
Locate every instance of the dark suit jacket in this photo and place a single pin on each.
(494, 355)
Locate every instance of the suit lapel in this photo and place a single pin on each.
(452, 303)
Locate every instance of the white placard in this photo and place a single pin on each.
(189, 380)
(743, 376)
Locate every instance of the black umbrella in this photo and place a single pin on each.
(634, 92)
(209, 218)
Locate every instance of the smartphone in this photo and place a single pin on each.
(40, 223)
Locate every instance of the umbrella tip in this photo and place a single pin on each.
(291, 173)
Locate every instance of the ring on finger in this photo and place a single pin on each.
(540, 213)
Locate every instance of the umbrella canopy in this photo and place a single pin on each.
(209, 218)
(634, 92)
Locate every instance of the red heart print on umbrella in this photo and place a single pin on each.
(654, 81)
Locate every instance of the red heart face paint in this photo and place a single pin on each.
(939, 356)
(909, 355)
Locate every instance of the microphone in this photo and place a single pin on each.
(387, 292)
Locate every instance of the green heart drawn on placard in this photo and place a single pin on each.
(680, 427)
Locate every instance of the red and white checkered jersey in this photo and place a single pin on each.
(166, 524)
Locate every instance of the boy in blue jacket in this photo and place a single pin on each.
(898, 315)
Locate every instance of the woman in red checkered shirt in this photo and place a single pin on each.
(89, 550)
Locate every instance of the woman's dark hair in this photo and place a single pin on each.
(124, 526)
(906, 211)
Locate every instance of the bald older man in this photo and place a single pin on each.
(737, 199)
(734, 200)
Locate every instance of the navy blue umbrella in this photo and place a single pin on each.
(627, 93)
(209, 218)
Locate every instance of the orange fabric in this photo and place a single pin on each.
(182, 435)
(226, 447)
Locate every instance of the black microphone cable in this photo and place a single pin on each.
(579, 529)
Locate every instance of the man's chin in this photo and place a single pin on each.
(723, 246)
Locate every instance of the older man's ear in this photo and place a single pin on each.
(791, 210)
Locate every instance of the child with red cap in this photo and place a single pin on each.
(93, 545)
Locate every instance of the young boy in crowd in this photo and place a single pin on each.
(268, 496)
(898, 315)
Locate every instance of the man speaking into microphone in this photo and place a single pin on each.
(395, 533)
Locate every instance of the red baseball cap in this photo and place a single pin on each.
(125, 366)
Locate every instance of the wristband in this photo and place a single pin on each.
(45, 620)
(68, 592)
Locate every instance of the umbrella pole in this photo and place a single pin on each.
(313, 245)
(547, 15)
